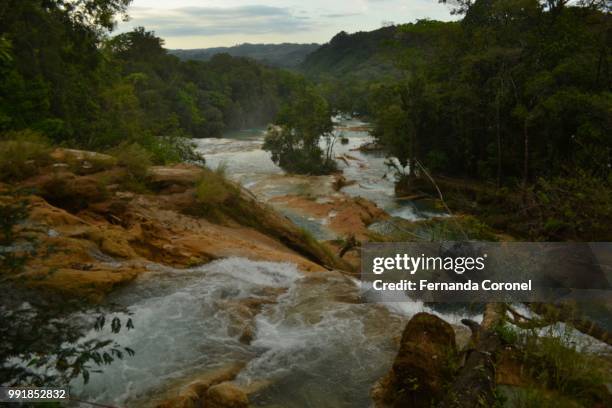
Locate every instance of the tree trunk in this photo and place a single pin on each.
(413, 155)
(526, 153)
(474, 386)
(499, 145)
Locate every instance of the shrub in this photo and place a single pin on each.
(175, 149)
(134, 158)
(575, 207)
(89, 163)
(22, 154)
(555, 361)
(295, 155)
(214, 193)
(14, 210)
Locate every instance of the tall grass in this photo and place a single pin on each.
(22, 154)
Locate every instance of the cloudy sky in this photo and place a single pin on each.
(211, 23)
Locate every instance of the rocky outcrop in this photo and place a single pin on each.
(92, 235)
(342, 214)
(210, 389)
(421, 367)
(176, 178)
(226, 395)
(242, 312)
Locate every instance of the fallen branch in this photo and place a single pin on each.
(442, 198)
(524, 322)
(474, 385)
(567, 314)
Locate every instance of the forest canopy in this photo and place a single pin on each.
(517, 90)
(65, 77)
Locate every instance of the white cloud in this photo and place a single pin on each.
(206, 23)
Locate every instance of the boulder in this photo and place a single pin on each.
(421, 367)
(82, 161)
(226, 395)
(179, 175)
(70, 192)
(195, 392)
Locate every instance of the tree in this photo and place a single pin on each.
(294, 141)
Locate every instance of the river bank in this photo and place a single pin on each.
(240, 286)
(232, 303)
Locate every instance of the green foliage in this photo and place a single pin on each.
(284, 55)
(22, 154)
(295, 139)
(90, 163)
(515, 91)
(533, 397)
(39, 346)
(135, 159)
(361, 55)
(15, 250)
(68, 80)
(458, 229)
(578, 206)
(175, 149)
(516, 94)
(217, 197)
(554, 361)
(213, 190)
(507, 333)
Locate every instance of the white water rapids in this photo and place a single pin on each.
(316, 346)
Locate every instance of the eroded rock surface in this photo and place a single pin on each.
(427, 350)
(344, 215)
(92, 235)
(195, 393)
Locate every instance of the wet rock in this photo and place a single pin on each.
(226, 395)
(351, 215)
(421, 367)
(70, 192)
(113, 242)
(340, 182)
(194, 394)
(370, 147)
(247, 336)
(81, 161)
(61, 154)
(117, 234)
(242, 313)
(184, 175)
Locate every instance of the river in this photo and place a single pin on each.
(244, 161)
(316, 344)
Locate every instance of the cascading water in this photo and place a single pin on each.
(313, 342)
(248, 164)
(314, 345)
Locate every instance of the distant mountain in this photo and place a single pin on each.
(284, 55)
(363, 54)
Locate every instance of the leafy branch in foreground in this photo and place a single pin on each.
(44, 339)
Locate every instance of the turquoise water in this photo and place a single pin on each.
(245, 162)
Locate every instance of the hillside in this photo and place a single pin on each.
(361, 55)
(284, 55)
